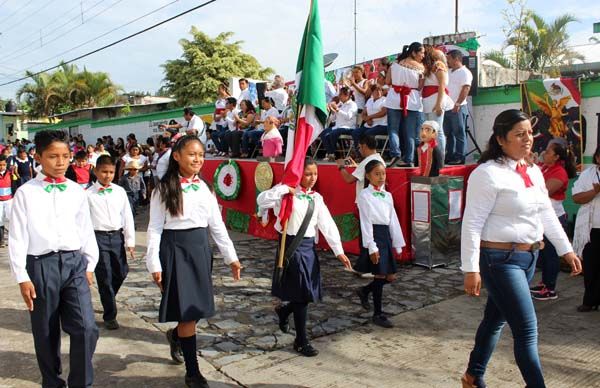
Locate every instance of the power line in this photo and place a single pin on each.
(102, 35)
(16, 12)
(11, 56)
(7, 29)
(113, 43)
(4, 2)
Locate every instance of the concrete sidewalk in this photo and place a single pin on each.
(428, 348)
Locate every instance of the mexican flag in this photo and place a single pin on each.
(312, 107)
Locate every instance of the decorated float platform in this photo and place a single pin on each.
(238, 183)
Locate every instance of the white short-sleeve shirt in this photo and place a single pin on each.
(456, 80)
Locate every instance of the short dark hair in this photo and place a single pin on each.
(243, 80)
(21, 149)
(44, 138)
(368, 141)
(345, 90)
(456, 54)
(2, 158)
(188, 111)
(231, 100)
(81, 155)
(105, 160)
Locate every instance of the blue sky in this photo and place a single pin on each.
(271, 31)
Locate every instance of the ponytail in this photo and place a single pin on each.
(408, 50)
(169, 186)
(503, 123)
(565, 155)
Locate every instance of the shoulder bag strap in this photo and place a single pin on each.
(302, 231)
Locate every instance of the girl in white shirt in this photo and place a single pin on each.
(381, 235)
(182, 213)
(507, 214)
(301, 280)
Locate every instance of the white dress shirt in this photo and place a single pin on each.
(456, 80)
(111, 211)
(163, 163)
(359, 98)
(230, 119)
(279, 96)
(42, 222)
(373, 107)
(404, 76)
(375, 210)
(320, 221)
(200, 210)
(499, 208)
(245, 95)
(345, 117)
(197, 125)
(359, 172)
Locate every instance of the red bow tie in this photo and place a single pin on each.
(57, 180)
(522, 170)
(306, 191)
(377, 188)
(193, 180)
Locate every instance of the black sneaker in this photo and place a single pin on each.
(196, 381)
(383, 321)
(537, 288)
(364, 298)
(176, 353)
(394, 161)
(111, 325)
(306, 350)
(284, 322)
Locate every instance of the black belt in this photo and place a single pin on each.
(108, 232)
(45, 255)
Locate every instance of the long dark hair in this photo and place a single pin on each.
(169, 186)
(369, 167)
(503, 123)
(565, 154)
(408, 50)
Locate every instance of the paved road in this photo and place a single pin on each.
(241, 346)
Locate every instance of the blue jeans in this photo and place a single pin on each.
(394, 117)
(410, 126)
(218, 137)
(455, 125)
(441, 138)
(331, 137)
(376, 130)
(549, 260)
(506, 275)
(251, 136)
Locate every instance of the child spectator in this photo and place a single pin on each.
(133, 184)
(5, 196)
(81, 171)
(114, 228)
(53, 254)
(23, 167)
(381, 234)
(272, 142)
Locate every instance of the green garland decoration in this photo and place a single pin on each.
(237, 221)
(238, 183)
(348, 226)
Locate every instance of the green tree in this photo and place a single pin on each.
(204, 64)
(66, 89)
(499, 57)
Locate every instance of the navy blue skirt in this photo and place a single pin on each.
(186, 262)
(387, 264)
(301, 280)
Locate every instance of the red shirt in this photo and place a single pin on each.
(557, 171)
(5, 186)
(82, 173)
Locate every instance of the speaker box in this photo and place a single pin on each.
(261, 88)
(471, 63)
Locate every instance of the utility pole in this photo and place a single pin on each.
(355, 32)
(456, 16)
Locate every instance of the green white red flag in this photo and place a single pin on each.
(312, 106)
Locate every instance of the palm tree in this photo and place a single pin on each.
(499, 57)
(42, 96)
(546, 43)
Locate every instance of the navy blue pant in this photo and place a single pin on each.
(549, 260)
(63, 298)
(111, 271)
(506, 275)
(250, 139)
(373, 131)
(331, 137)
(218, 137)
(455, 126)
(134, 199)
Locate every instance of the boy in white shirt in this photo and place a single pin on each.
(53, 254)
(114, 228)
(345, 122)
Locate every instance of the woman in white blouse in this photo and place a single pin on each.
(507, 213)
(586, 240)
